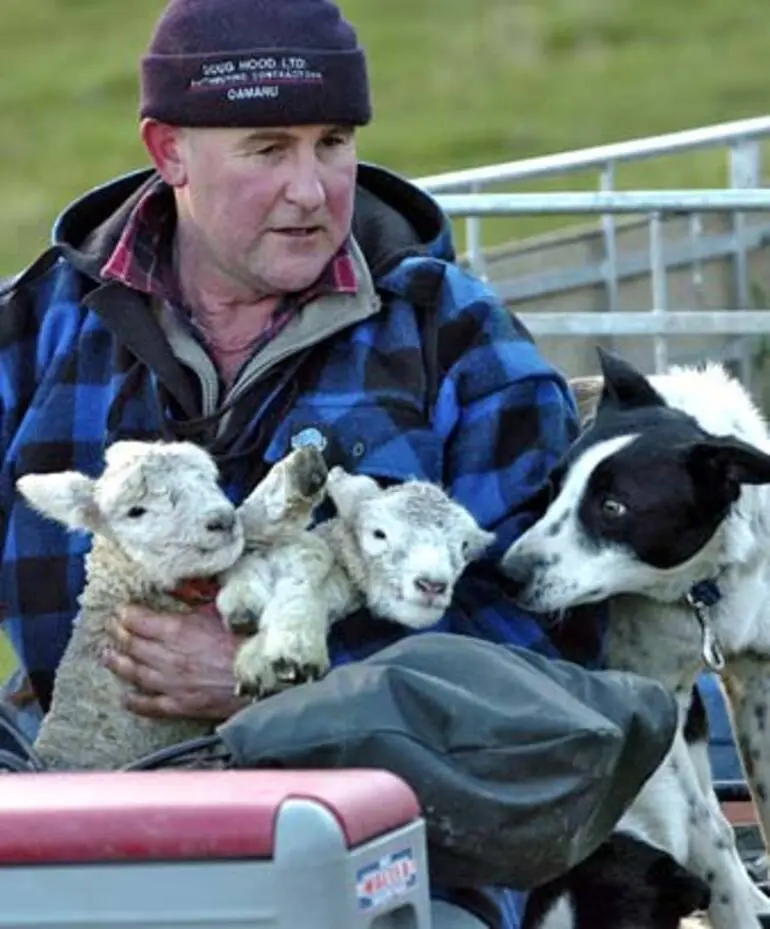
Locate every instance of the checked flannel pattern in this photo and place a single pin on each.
(498, 420)
(501, 419)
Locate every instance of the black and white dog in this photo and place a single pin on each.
(625, 884)
(662, 508)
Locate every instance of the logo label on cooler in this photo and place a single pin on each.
(386, 879)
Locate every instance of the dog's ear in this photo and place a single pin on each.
(727, 462)
(624, 386)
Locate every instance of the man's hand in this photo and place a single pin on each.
(181, 666)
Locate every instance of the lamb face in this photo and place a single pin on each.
(412, 541)
(160, 503)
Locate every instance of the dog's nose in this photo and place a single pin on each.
(518, 570)
(221, 521)
(429, 585)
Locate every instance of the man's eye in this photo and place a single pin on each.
(335, 141)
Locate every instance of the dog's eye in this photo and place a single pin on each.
(136, 512)
(612, 508)
(379, 534)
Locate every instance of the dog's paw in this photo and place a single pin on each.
(263, 667)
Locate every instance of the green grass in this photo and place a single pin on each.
(7, 657)
(456, 83)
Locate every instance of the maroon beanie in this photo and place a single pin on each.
(254, 63)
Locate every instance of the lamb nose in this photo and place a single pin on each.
(222, 521)
(427, 585)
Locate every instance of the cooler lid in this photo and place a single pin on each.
(183, 815)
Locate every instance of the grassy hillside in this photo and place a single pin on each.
(456, 83)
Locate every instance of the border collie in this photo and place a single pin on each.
(662, 508)
(625, 884)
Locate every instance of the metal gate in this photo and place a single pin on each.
(686, 231)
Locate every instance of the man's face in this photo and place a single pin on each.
(266, 208)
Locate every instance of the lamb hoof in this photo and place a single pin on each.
(282, 675)
(251, 689)
(290, 672)
(243, 622)
(309, 471)
(254, 673)
(264, 666)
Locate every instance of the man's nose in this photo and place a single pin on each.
(305, 187)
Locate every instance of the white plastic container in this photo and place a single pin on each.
(212, 850)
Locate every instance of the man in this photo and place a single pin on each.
(259, 287)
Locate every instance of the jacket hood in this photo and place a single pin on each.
(392, 219)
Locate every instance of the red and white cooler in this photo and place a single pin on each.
(206, 849)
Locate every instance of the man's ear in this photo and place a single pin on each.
(166, 147)
(348, 491)
(624, 387)
(67, 497)
(727, 462)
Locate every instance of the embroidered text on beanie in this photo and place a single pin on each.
(254, 63)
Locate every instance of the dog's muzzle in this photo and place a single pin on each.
(520, 569)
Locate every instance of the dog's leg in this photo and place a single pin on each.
(702, 764)
(697, 736)
(746, 682)
(672, 812)
(736, 900)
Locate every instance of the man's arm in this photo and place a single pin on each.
(507, 417)
(19, 324)
(21, 359)
(31, 335)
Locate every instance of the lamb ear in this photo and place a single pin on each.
(477, 542)
(348, 491)
(67, 497)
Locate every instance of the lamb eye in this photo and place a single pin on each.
(613, 508)
(135, 512)
(379, 534)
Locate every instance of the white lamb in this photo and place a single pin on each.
(398, 551)
(158, 519)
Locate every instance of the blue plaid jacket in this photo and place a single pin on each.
(441, 384)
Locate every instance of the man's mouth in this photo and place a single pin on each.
(298, 232)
